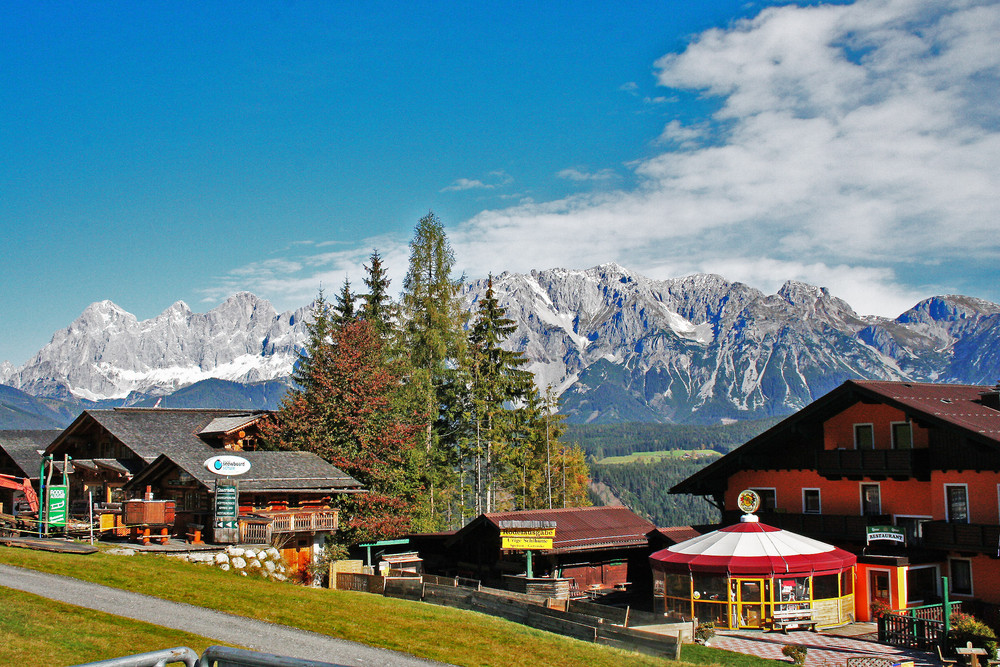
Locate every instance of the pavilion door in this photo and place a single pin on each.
(750, 603)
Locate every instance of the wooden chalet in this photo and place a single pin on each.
(904, 475)
(595, 548)
(146, 453)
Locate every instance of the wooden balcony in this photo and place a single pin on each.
(259, 527)
(824, 527)
(873, 463)
(976, 537)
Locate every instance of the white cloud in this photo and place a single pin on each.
(855, 147)
(850, 145)
(572, 174)
(497, 179)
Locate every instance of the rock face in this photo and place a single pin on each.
(620, 347)
(107, 353)
(615, 345)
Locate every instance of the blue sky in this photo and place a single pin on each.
(154, 152)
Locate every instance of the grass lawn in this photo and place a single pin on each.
(35, 631)
(426, 630)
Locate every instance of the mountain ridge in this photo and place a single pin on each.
(614, 344)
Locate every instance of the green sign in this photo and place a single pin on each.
(889, 533)
(57, 505)
(227, 507)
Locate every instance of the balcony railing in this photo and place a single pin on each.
(982, 537)
(258, 528)
(301, 521)
(873, 463)
(824, 527)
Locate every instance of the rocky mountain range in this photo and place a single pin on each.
(616, 346)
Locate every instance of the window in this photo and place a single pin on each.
(871, 500)
(912, 527)
(864, 436)
(810, 501)
(961, 576)
(921, 584)
(825, 587)
(956, 497)
(902, 435)
(768, 499)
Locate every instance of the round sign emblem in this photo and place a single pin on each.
(748, 501)
(228, 465)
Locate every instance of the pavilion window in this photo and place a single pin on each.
(826, 587)
(710, 586)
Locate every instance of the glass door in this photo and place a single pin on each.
(750, 603)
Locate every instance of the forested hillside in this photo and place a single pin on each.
(603, 440)
(641, 482)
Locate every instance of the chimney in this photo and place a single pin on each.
(149, 493)
(991, 398)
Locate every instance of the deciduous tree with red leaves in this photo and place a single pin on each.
(351, 408)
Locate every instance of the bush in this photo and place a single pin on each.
(967, 628)
(704, 632)
(796, 652)
(879, 608)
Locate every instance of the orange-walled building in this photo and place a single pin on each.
(917, 463)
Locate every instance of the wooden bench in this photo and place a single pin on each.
(795, 618)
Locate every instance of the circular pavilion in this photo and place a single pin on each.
(751, 575)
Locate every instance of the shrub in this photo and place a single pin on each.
(796, 652)
(879, 608)
(967, 628)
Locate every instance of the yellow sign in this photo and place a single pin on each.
(511, 542)
(528, 532)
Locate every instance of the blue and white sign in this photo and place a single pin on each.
(227, 465)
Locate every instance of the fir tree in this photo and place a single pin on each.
(343, 310)
(377, 307)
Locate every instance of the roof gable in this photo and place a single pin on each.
(23, 448)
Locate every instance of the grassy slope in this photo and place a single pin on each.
(35, 631)
(429, 631)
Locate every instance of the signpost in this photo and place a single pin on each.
(57, 502)
(527, 536)
(226, 526)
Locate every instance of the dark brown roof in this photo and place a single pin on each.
(24, 447)
(678, 534)
(957, 404)
(269, 471)
(585, 528)
(149, 432)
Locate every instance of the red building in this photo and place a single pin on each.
(921, 458)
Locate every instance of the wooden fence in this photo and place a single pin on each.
(582, 620)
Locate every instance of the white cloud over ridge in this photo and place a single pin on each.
(862, 137)
(855, 147)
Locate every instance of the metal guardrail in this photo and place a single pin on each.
(214, 656)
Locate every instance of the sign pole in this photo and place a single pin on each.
(527, 559)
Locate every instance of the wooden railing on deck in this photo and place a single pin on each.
(298, 521)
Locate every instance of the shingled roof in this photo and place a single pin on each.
(269, 471)
(579, 528)
(23, 447)
(149, 432)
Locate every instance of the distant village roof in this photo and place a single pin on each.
(580, 528)
(24, 447)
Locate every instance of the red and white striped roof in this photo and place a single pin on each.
(751, 547)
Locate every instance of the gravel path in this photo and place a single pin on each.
(237, 630)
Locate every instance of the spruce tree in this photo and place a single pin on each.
(377, 307)
(499, 387)
(343, 309)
